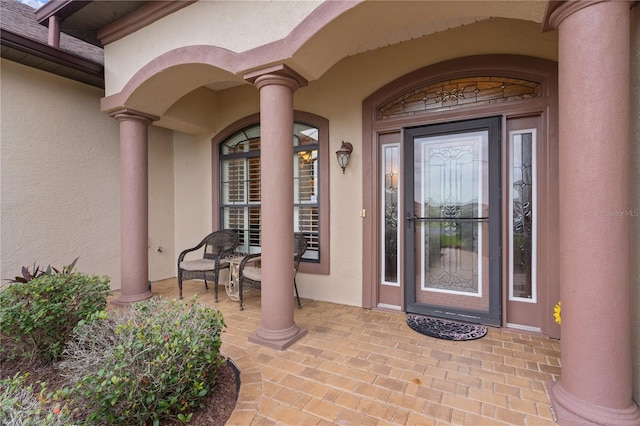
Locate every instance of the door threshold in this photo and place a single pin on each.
(525, 327)
(385, 306)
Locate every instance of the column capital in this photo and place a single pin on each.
(277, 74)
(558, 10)
(127, 114)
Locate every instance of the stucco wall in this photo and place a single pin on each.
(60, 175)
(192, 165)
(60, 183)
(161, 211)
(635, 196)
(236, 26)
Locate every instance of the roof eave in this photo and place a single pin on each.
(53, 55)
(59, 8)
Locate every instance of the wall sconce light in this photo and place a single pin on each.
(343, 154)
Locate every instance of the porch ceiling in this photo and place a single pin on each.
(375, 24)
(371, 25)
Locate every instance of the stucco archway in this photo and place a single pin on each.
(331, 32)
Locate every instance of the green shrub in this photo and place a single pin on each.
(37, 317)
(19, 406)
(151, 362)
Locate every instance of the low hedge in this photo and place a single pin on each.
(154, 361)
(37, 317)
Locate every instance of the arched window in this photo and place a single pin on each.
(240, 197)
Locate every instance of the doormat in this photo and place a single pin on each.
(445, 329)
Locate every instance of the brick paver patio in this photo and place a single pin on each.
(362, 367)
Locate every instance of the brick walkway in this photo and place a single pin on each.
(362, 367)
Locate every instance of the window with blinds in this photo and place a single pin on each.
(240, 187)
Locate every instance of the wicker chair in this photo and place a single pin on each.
(249, 275)
(217, 246)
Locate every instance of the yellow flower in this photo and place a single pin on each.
(557, 313)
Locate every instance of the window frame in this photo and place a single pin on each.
(320, 266)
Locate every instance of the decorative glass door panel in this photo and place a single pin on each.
(451, 218)
(525, 291)
(390, 280)
(522, 209)
(390, 189)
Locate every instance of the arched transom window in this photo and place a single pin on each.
(458, 93)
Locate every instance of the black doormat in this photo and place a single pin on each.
(445, 329)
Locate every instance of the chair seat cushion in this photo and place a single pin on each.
(252, 273)
(201, 265)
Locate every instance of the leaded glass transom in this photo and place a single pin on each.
(458, 93)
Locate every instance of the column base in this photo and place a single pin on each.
(279, 340)
(128, 300)
(571, 411)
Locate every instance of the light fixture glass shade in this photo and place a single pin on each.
(343, 154)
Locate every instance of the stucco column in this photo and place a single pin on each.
(595, 262)
(277, 327)
(134, 203)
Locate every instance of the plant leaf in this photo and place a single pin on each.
(70, 267)
(25, 273)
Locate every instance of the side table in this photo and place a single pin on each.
(232, 285)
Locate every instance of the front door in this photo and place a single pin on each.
(452, 220)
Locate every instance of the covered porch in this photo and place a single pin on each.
(358, 366)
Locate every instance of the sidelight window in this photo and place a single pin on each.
(390, 209)
(522, 211)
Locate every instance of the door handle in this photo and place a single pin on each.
(411, 217)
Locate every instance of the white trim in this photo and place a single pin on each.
(534, 223)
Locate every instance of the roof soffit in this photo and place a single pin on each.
(83, 19)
